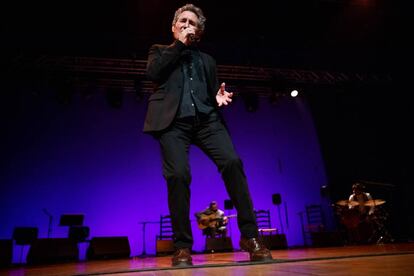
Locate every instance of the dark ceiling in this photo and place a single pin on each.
(355, 35)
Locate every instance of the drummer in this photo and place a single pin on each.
(360, 196)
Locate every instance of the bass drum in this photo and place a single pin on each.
(351, 218)
(360, 227)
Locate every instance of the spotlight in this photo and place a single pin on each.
(294, 93)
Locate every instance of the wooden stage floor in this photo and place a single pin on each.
(386, 259)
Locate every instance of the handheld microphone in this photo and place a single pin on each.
(193, 38)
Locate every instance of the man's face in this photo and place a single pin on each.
(186, 19)
(214, 208)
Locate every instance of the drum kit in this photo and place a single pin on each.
(364, 221)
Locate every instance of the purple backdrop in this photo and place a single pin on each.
(89, 158)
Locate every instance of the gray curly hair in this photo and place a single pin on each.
(194, 9)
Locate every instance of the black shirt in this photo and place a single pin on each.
(195, 98)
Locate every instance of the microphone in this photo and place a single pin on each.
(193, 38)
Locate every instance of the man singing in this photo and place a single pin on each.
(183, 110)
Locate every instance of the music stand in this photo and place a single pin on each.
(71, 220)
(78, 233)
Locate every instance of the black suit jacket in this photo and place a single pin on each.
(164, 70)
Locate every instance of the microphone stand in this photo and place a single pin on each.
(280, 219)
(286, 215)
(49, 229)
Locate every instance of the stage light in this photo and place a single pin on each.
(294, 93)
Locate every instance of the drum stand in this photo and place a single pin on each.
(381, 233)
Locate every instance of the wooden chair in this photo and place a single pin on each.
(315, 222)
(165, 238)
(263, 222)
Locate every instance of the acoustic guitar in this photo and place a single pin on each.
(210, 221)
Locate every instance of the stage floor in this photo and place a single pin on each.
(387, 259)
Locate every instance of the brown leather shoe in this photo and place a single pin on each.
(257, 250)
(182, 257)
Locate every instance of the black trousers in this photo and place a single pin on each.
(210, 135)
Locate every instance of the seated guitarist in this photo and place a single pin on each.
(212, 221)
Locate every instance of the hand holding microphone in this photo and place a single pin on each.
(191, 37)
(188, 36)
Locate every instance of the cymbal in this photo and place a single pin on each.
(374, 202)
(346, 202)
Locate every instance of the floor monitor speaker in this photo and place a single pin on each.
(108, 248)
(6, 252)
(53, 250)
(219, 244)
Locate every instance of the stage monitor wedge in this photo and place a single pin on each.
(108, 248)
(6, 252)
(53, 250)
(219, 244)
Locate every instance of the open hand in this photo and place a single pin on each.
(223, 97)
